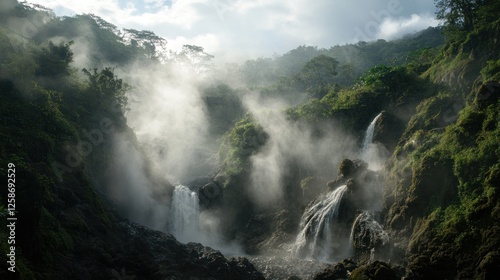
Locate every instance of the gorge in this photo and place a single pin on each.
(369, 160)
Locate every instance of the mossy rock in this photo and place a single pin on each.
(388, 130)
(374, 271)
(487, 94)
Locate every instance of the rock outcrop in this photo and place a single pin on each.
(173, 260)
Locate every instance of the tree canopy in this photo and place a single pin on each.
(317, 74)
(465, 15)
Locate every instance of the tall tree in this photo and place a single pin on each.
(107, 89)
(457, 14)
(465, 15)
(317, 74)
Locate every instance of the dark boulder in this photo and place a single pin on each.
(340, 270)
(174, 260)
(270, 232)
(376, 270)
(347, 169)
(210, 194)
(369, 239)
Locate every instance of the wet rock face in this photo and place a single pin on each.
(348, 169)
(210, 194)
(388, 130)
(341, 270)
(364, 185)
(369, 239)
(270, 232)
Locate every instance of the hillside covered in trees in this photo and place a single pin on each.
(124, 159)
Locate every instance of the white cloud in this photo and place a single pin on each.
(210, 42)
(391, 28)
(181, 13)
(233, 28)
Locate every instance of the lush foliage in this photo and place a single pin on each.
(45, 107)
(441, 181)
(241, 142)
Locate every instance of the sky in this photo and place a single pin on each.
(242, 29)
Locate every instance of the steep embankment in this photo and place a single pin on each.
(442, 185)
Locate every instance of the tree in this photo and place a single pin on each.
(457, 14)
(153, 46)
(465, 15)
(107, 88)
(54, 59)
(348, 73)
(317, 74)
(196, 57)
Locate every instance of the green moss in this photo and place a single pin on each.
(237, 145)
(491, 72)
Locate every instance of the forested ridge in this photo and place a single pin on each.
(72, 91)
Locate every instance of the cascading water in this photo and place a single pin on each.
(369, 151)
(188, 224)
(316, 239)
(367, 233)
(367, 141)
(185, 214)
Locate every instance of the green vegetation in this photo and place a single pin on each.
(353, 59)
(45, 106)
(441, 198)
(442, 180)
(242, 141)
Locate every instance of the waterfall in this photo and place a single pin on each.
(185, 214)
(370, 152)
(316, 239)
(367, 141)
(368, 233)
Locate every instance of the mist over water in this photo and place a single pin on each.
(131, 191)
(291, 141)
(185, 214)
(169, 118)
(189, 224)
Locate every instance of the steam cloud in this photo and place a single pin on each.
(291, 141)
(129, 188)
(169, 118)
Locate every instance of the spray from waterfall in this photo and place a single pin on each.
(188, 224)
(317, 238)
(185, 214)
(367, 234)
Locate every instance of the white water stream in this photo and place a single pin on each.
(185, 214)
(316, 238)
